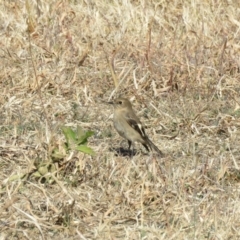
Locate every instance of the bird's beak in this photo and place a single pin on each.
(111, 102)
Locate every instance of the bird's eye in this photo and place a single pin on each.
(120, 102)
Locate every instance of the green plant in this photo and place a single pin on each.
(77, 140)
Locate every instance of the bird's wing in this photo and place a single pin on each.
(135, 123)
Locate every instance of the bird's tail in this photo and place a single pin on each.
(152, 146)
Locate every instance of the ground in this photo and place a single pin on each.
(177, 61)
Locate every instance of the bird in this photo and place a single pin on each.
(129, 126)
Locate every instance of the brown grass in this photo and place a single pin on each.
(178, 62)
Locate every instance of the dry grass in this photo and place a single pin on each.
(178, 61)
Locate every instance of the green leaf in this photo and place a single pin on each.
(43, 170)
(15, 177)
(37, 174)
(59, 153)
(70, 135)
(85, 149)
(80, 132)
(75, 140)
(82, 136)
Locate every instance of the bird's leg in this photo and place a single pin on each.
(129, 147)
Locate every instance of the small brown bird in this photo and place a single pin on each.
(129, 126)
